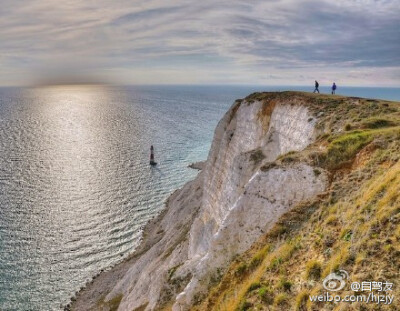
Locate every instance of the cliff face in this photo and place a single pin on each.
(249, 181)
(241, 198)
(248, 135)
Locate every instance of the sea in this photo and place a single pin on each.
(76, 187)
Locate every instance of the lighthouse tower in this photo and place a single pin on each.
(152, 162)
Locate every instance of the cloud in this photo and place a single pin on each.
(145, 15)
(200, 42)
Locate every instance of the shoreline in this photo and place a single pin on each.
(95, 291)
(121, 267)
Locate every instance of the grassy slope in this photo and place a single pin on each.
(354, 226)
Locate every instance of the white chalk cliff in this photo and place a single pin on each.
(235, 199)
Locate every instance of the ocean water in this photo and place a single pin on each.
(75, 184)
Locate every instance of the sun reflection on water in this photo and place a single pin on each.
(75, 183)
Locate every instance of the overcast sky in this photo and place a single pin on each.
(275, 42)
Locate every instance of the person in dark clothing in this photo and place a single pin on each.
(334, 88)
(316, 86)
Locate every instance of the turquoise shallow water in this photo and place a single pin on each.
(75, 184)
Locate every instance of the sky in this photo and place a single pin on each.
(275, 42)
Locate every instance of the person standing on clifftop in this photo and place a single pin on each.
(316, 87)
(333, 88)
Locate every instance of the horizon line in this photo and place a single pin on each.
(194, 84)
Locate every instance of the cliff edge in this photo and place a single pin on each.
(272, 154)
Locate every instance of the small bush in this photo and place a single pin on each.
(259, 257)
(281, 300)
(268, 166)
(257, 156)
(266, 295)
(241, 269)
(172, 271)
(313, 270)
(317, 172)
(331, 220)
(285, 285)
(288, 159)
(374, 123)
(277, 231)
(302, 300)
(275, 264)
(244, 305)
(347, 234)
(254, 286)
(115, 302)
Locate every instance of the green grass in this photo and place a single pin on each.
(345, 147)
(374, 123)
